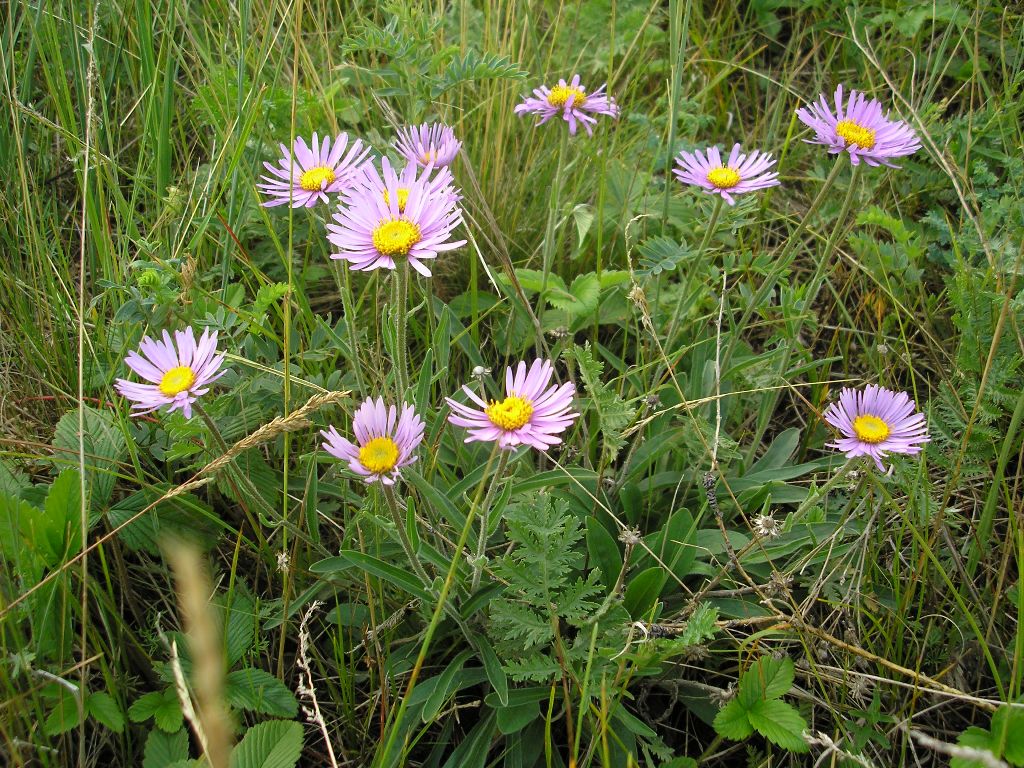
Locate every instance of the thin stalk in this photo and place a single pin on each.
(240, 477)
(401, 329)
(783, 261)
(348, 309)
(435, 619)
(831, 483)
(548, 255)
(709, 232)
(403, 535)
(811, 295)
(481, 544)
(678, 32)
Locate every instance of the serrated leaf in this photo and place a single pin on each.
(165, 749)
(105, 446)
(780, 723)
(532, 281)
(259, 691)
(583, 215)
(731, 721)
(766, 678)
(162, 706)
(64, 716)
(613, 414)
(975, 738)
(1008, 727)
(274, 744)
(104, 708)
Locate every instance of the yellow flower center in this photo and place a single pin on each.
(316, 178)
(724, 177)
(870, 429)
(396, 237)
(379, 455)
(177, 380)
(428, 157)
(561, 94)
(403, 198)
(511, 413)
(856, 134)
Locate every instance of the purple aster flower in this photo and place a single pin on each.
(533, 412)
(390, 218)
(306, 178)
(742, 173)
(572, 102)
(178, 371)
(440, 185)
(876, 421)
(386, 441)
(859, 129)
(428, 144)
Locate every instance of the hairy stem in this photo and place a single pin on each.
(481, 544)
(403, 534)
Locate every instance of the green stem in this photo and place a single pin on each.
(435, 619)
(782, 263)
(403, 534)
(679, 31)
(348, 309)
(481, 544)
(241, 478)
(548, 256)
(401, 329)
(832, 482)
(709, 232)
(812, 293)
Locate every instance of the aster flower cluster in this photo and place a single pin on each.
(387, 217)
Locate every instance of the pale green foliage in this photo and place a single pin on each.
(546, 587)
(613, 413)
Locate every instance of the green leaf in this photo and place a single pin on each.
(259, 691)
(274, 744)
(767, 678)
(1008, 727)
(613, 413)
(475, 66)
(532, 281)
(583, 215)
(165, 749)
(513, 719)
(444, 687)
(975, 738)
(604, 552)
(105, 446)
(780, 723)
(731, 721)
(162, 706)
(495, 672)
(388, 572)
(64, 717)
(63, 519)
(240, 630)
(661, 254)
(643, 591)
(104, 708)
(581, 299)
